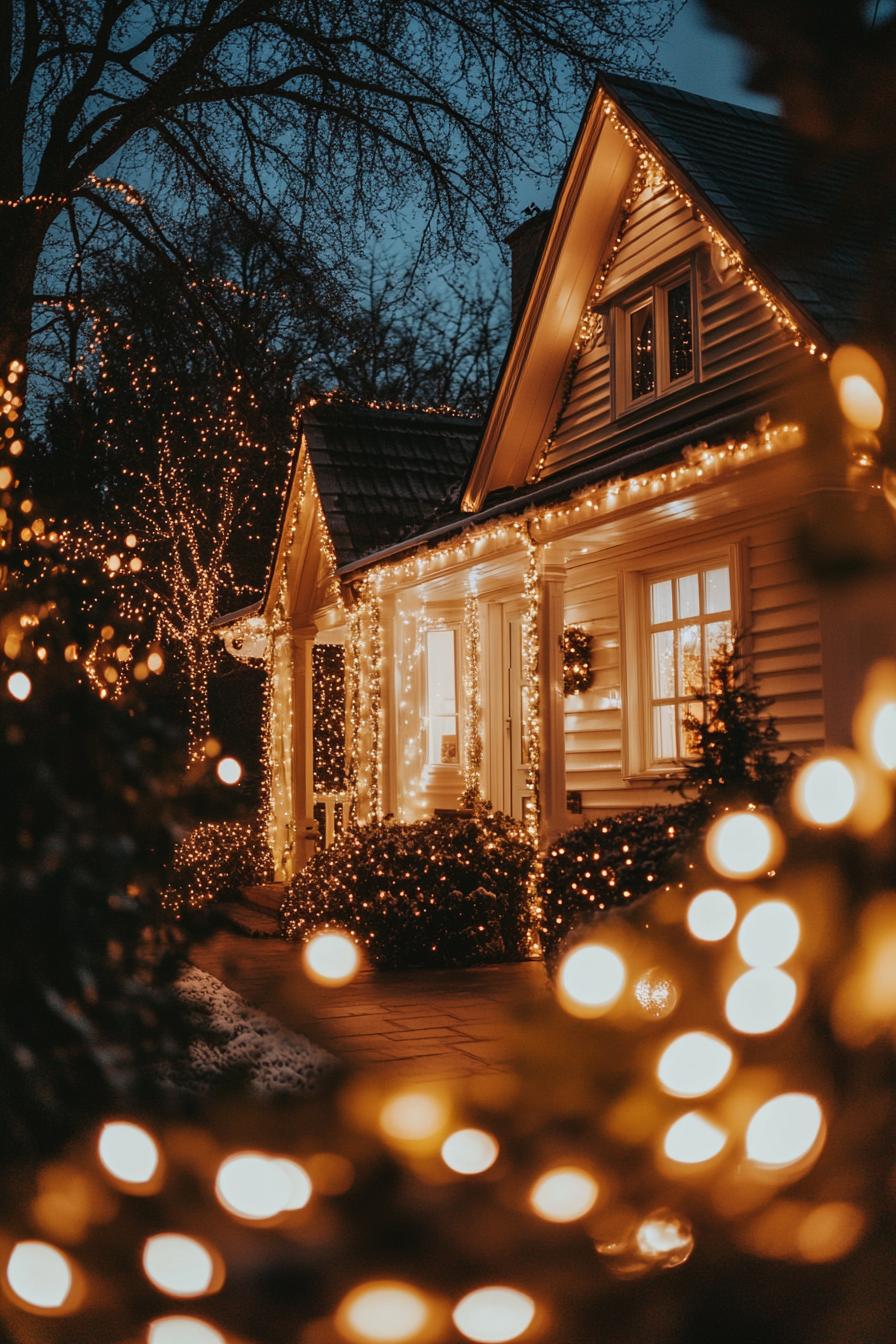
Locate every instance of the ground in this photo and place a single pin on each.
(432, 1024)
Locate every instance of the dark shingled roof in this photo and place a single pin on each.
(382, 474)
(778, 193)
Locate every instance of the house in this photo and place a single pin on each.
(640, 477)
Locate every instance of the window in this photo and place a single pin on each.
(656, 340)
(441, 697)
(688, 618)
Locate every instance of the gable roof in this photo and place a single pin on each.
(777, 193)
(770, 196)
(382, 474)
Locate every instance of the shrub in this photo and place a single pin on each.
(214, 862)
(608, 863)
(447, 891)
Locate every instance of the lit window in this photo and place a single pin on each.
(689, 618)
(441, 697)
(658, 340)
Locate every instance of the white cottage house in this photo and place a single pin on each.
(640, 476)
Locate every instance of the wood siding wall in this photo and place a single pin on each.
(737, 339)
(782, 614)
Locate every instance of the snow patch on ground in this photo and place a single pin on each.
(231, 1034)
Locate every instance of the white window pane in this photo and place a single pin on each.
(688, 741)
(441, 673)
(690, 659)
(663, 660)
(664, 748)
(661, 602)
(443, 740)
(688, 596)
(718, 637)
(717, 589)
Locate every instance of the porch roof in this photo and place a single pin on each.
(381, 474)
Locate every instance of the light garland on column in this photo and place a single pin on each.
(472, 651)
(354, 715)
(377, 717)
(531, 659)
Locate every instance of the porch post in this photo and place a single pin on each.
(305, 833)
(550, 688)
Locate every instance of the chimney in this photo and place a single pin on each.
(525, 244)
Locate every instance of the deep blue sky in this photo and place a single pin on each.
(704, 60)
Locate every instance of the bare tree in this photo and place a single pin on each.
(325, 114)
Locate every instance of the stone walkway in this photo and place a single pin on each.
(432, 1024)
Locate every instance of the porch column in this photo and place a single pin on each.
(550, 690)
(305, 834)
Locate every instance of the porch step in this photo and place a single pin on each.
(268, 897)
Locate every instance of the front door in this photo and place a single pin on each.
(507, 710)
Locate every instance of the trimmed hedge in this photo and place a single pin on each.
(214, 862)
(447, 891)
(610, 863)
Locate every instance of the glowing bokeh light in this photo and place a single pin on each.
(784, 1130)
(258, 1187)
(769, 934)
(331, 958)
(128, 1152)
(413, 1116)
(656, 993)
(663, 1235)
(384, 1312)
(861, 404)
(19, 685)
(825, 791)
(470, 1151)
(883, 734)
(178, 1265)
(564, 1194)
(39, 1275)
(591, 979)
(494, 1315)
(694, 1064)
(229, 770)
(712, 915)
(760, 1000)
(693, 1138)
(183, 1330)
(742, 844)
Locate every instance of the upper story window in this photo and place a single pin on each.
(655, 339)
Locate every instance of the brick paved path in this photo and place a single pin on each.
(433, 1024)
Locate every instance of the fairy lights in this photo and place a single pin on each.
(472, 793)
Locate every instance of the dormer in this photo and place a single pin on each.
(652, 308)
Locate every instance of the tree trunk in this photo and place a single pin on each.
(199, 718)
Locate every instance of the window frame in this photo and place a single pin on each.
(656, 293)
(638, 760)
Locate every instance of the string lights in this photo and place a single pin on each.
(472, 679)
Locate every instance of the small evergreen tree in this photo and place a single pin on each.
(734, 740)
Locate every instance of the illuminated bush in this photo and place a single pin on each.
(214, 862)
(447, 891)
(611, 862)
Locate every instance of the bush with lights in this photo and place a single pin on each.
(616, 861)
(446, 891)
(214, 863)
(609, 863)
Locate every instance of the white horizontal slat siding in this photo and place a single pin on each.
(737, 336)
(783, 621)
